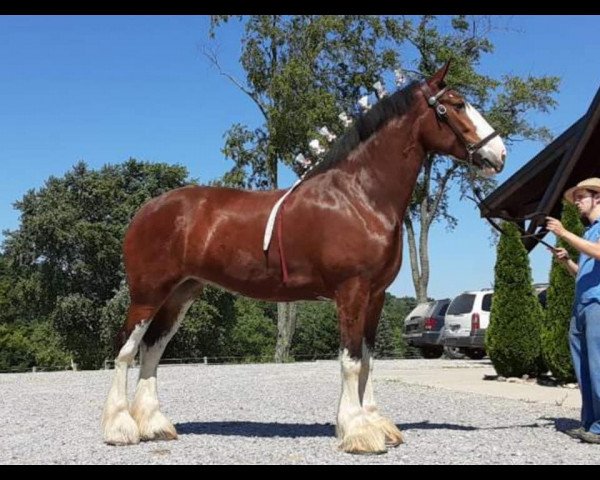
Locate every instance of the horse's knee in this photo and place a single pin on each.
(128, 341)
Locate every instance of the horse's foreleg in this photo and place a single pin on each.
(118, 426)
(153, 425)
(356, 433)
(393, 437)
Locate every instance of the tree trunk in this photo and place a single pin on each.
(419, 260)
(428, 207)
(286, 312)
(414, 256)
(286, 325)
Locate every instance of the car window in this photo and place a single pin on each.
(443, 309)
(419, 311)
(486, 303)
(461, 304)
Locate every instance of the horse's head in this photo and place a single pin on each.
(453, 127)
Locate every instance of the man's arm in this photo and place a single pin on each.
(584, 246)
(591, 249)
(562, 256)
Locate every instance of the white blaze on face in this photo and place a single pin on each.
(494, 150)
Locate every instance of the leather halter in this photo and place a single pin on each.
(433, 100)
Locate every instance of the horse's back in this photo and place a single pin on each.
(214, 233)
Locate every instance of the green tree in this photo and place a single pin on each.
(386, 344)
(513, 338)
(317, 334)
(72, 228)
(505, 102)
(254, 333)
(26, 346)
(15, 354)
(394, 312)
(207, 327)
(559, 304)
(205, 331)
(301, 71)
(45, 345)
(76, 319)
(66, 254)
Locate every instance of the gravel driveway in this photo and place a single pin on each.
(277, 414)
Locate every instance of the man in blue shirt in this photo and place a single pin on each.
(584, 332)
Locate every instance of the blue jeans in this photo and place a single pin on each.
(584, 338)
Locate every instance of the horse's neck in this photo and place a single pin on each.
(388, 164)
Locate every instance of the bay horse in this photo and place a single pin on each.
(342, 237)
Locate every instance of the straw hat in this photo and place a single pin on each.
(587, 184)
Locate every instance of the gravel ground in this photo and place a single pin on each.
(278, 414)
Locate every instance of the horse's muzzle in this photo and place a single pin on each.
(487, 161)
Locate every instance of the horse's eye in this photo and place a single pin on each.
(459, 106)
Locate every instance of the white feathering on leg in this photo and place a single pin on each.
(118, 426)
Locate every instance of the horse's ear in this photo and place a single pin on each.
(438, 77)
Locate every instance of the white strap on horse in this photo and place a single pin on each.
(273, 215)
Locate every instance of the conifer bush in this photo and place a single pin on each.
(559, 304)
(513, 337)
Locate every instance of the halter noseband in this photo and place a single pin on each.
(442, 113)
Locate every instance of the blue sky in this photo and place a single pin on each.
(103, 89)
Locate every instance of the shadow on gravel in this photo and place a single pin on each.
(563, 424)
(290, 430)
(295, 430)
(433, 426)
(256, 429)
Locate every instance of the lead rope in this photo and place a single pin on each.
(479, 202)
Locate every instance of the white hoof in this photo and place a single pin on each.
(364, 440)
(120, 429)
(360, 436)
(393, 436)
(155, 427)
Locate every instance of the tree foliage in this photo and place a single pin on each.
(72, 228)
(513, 338)
(26, 346)
(65, 258)
(302, 70)
(559, 305)
(317, 334)
(254, 333)
(389, 340)
(505, 102)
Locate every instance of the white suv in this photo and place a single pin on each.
(467, 317)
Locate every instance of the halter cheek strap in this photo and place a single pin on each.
(433, 100)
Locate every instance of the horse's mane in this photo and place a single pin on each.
(365, 126)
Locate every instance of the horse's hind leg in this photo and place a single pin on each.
(152, 424)
(118, 426)
(356, 433)
(393, 437)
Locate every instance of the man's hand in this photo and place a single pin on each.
(555, 226)
(561, 254)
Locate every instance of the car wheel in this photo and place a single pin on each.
(476, 354)
(454, 353)
(432, 352)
